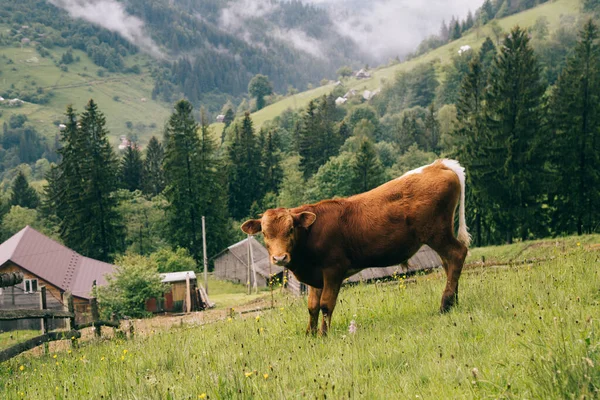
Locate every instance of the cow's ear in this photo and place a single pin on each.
(304, 219)
(252, 226)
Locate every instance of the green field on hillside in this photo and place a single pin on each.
(122, 97)
(521, 332)
(551, 10)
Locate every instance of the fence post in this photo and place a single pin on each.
(95, 316)
(44, 320)
(71, 321)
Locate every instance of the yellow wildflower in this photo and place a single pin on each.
(229, 319)
(248, 374)
(102, 359)
(57, 363)
(21, 368)
(125, 351)
(266, 376)
(578, 244)
(122, 358)
(257, 318)
(69, 352)
(202, 396)
(54, 356)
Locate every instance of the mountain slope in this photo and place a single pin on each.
(553, 11)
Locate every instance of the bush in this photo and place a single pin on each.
(168, 260)
(135, 280)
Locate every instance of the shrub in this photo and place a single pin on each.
(136, 279)
(168, 260)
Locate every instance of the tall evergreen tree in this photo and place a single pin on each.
(213, 199)
(575, 115)
(132, 168)
(183, 176)
(432, 130)
(469, 132)
(272, 172)
(22, 194)
(153, 177)
(309, 141)
(514, 111)
(99, 168)
(368, 171)
(245, 186)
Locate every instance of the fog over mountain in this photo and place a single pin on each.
(390, 28)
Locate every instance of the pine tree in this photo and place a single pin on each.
(455, 31)
(575, 115)
(368, 171)
(432, 130)
(213, 199)
(229, 117)
(153, 177)
(514, 135)
(245, 186)
(104, 231)
(132, 168)
(309, 141)
(469, 133)
(272, 173)
(182, 169)
(22, 194)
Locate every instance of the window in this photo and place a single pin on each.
(30, 285)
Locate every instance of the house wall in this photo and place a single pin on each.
(14, 297)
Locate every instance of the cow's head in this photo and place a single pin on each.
(280, 228)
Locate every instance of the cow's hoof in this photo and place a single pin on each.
(448, 303)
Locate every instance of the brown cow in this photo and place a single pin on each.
(324, 243)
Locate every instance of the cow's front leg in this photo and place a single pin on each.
(314, 307)
(331, 288)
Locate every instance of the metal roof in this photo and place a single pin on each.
(53, 262)
(260, 256)
(177, 276)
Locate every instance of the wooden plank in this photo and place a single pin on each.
(99, 323)
(95, 316)
(35, 342)
(11, 315)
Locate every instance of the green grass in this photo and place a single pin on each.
(226, 294)
(8, 339)
(526, 332)
(551, 10)
(77, 86)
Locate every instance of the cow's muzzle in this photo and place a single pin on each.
(281, 260)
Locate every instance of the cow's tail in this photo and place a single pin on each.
(463, 233)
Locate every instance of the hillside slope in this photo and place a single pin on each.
(553, 11)
(122, 97)
(526, 332)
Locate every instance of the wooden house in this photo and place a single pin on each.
(45, 262)
(232, 264)
(178, 295)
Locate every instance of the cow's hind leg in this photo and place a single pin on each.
(453, 254)
(314, 307)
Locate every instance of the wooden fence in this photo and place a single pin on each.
(44, 314)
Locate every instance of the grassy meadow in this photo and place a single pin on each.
(122, 97)
(529, 331)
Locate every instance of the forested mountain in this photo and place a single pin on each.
(200, 46)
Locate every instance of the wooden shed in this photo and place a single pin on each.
(232, 265)
(45, 262)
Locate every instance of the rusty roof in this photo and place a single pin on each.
(53, 262)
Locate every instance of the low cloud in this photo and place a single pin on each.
(389, 28)
(111, 15)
